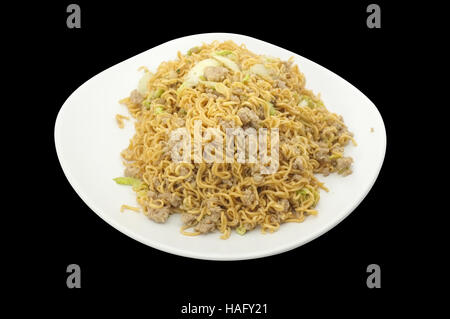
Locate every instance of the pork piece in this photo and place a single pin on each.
(173, 199)
(337, 148)
(290, 150)
(343, 165)
(208, 222)
(258, 178)
(288, 65)
(156, 181)
(260, 112)
(227, 124)
(212, 94)
(192, 179)
(215, 73)
(280, 84)
(298, 163)
(205, 226)
(325, 171)
(285, 203)
(339, 127)
(249, 198)
(152, 195)
(159, 101)
(237, 91)
(158, 215)
(322, 154)
(183, 171)
(169, 146)
(215, 210)
(248, 116)
(180, 122)
(275, 218)
(132, 171)
(188, 219)
(136, 97)
(211, 202)
(227, 182)
(235, 98)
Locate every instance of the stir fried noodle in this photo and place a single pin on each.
(224, 85)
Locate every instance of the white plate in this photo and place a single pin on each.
(88, 143)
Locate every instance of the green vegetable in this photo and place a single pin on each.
(201, 77)
(193, 50)
(305, 101)
(224, 52)
(159, 110)
(158, 93)
(147, 103)
(303, 191)
(128, 181)
(241, 230)
(246, 78)
(316, 197)
(335, 156)
(308, 101)
(181, 88)
(273, 110)
(178, 70)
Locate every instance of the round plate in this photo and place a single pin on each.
(88, 142)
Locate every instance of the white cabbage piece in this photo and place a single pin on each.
(143, 83)
(193, 77)
(260, 69)
(226, 62)
(269, 58)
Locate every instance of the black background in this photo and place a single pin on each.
(126, 275)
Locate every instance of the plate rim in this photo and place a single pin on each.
(192, 254)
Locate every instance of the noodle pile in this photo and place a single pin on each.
(227, 196)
